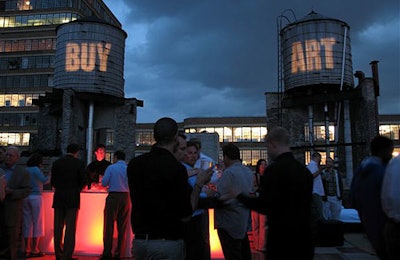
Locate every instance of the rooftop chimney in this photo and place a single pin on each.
(375, 75)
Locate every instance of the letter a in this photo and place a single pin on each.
(298, 63)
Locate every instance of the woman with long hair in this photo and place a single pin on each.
(258, 221)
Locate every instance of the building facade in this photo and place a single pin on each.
(248, 133)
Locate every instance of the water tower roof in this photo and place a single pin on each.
(314, 16)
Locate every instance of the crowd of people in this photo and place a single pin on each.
(166, 194)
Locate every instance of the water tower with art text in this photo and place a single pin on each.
(316, 98)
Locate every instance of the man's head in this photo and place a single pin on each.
(316, 157)
(180, 150)
(165, 131)
(329, 162)
(119, 155)
(277, 142)
(197, 142)
(230, 153)
(382, 147)
(191, 153)
(73, 149)
(12, 156)
(100, 152)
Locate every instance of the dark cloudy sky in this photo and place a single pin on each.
(218, 57)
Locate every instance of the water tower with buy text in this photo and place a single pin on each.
(87, 104)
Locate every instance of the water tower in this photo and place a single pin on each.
(316, 87)
(87, 104)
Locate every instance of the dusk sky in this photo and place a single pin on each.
(215, 58)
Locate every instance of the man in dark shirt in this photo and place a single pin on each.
(366, 189)
(67, 179)
(17, 188)
(95, 170)
(285, 197)
(161, 197)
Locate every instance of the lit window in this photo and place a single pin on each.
(109, 137)
(390, 131)
(319, 133)
(19, 139)
(237, 134)
(227, 134)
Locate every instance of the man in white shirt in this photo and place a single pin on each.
(391, 206)
(232, 218)
(318, 191)
(315, 168)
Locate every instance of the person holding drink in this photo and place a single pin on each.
(197, 233)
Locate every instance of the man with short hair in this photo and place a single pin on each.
(286, 200)
(197, 235)
(180, 149)
(333, 186)
(366, 190)
(318, 188)
(391, 206)
(17, 188)
(232, 219)
(67, 179)
(117, 206)
(161, 197)
(95, 169)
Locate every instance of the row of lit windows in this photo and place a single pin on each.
(390, 131)
(17, 100)
(27, 45)
(144, 138)
(20, 119)
(22, 5)
(24, 81)
(319, 133)
(226, 134)
(18, 139)
(30, 62)
(234, 134)
(37, 19)
(250, 157)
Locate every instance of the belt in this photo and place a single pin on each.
(155, 237)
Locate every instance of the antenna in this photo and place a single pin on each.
(280, 24)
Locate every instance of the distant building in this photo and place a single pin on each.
(248, 133)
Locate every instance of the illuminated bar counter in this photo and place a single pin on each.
(89, 233)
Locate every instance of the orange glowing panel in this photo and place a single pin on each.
(89, 233)
(216, 250)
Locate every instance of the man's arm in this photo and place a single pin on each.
(203, 177)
